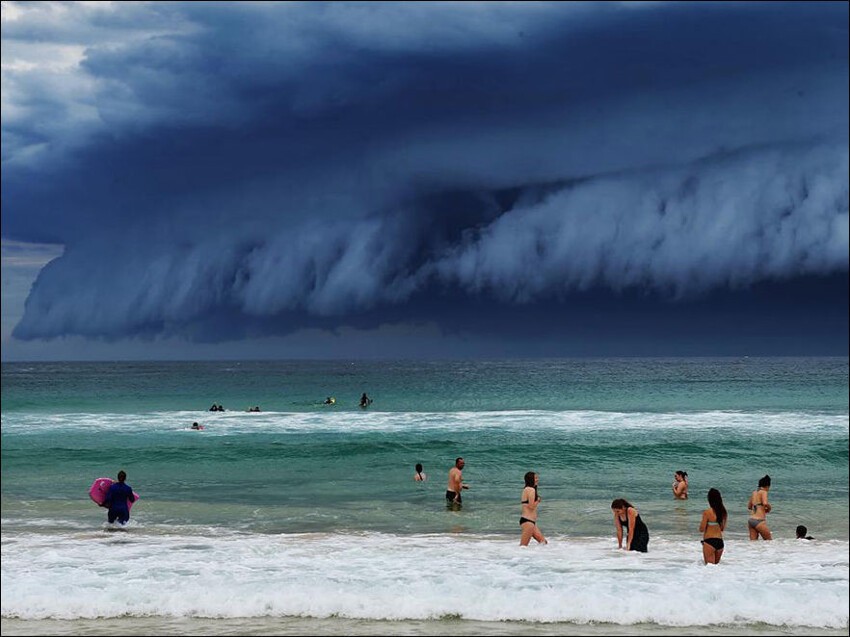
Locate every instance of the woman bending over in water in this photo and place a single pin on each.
(637, 535)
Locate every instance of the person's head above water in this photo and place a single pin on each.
(530, 479)
(621, 504)
(122, 476)
(715, 501)
(802, 531)
(459, 462)
(418, 468)
(681, 475)
(764, 483)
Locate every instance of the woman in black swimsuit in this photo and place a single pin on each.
(637, 535)
(528, 517)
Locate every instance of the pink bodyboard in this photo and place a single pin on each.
(100, 487)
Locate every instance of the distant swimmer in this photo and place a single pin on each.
(196, 426)
(117, 499)
(680, 485)
(802, 533)
(419, 476)
(216, 407)
(365, 401)
(330, 400)
(455, 485)
(528, 516)
(637, 535)
(712, 525)
(255, 409)
(759, 507)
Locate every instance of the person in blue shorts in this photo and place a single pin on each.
(118, 498)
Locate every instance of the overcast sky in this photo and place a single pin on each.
(242, 180)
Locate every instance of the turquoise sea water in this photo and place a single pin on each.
(308, 510)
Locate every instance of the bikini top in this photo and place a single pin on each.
(536, 497)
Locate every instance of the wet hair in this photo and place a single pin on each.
(715, 501)
(684, 474)
(122, 476)
(764, 482)
(620, 503)
(418, 467)
(458, 459)
(801, 531)
(529, 482)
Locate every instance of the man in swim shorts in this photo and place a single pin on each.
(455, 485)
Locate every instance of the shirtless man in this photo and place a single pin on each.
(456, 485)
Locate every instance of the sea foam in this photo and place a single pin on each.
(384, 576)
(232, 423)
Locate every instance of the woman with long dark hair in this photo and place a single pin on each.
(712, 525)
(528, 517)
(637, 535)
(419, 476)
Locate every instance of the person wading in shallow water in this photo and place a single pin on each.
(455, 485)
(637, 535)
(529, 500)
(712, 525)
(680, 485)
(759, 507)
(117, 498)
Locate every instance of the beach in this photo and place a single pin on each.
(305, 519)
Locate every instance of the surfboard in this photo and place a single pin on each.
(100, 487)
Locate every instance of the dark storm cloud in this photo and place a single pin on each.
(282, 166)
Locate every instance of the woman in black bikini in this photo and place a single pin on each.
(528, 517)
(637, 535)
(712, 525)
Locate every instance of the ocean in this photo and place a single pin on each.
(305, 518)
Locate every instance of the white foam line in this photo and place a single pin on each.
(357, 422)
(383, 576)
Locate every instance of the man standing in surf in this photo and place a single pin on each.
(456, 485)
(118, 500)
